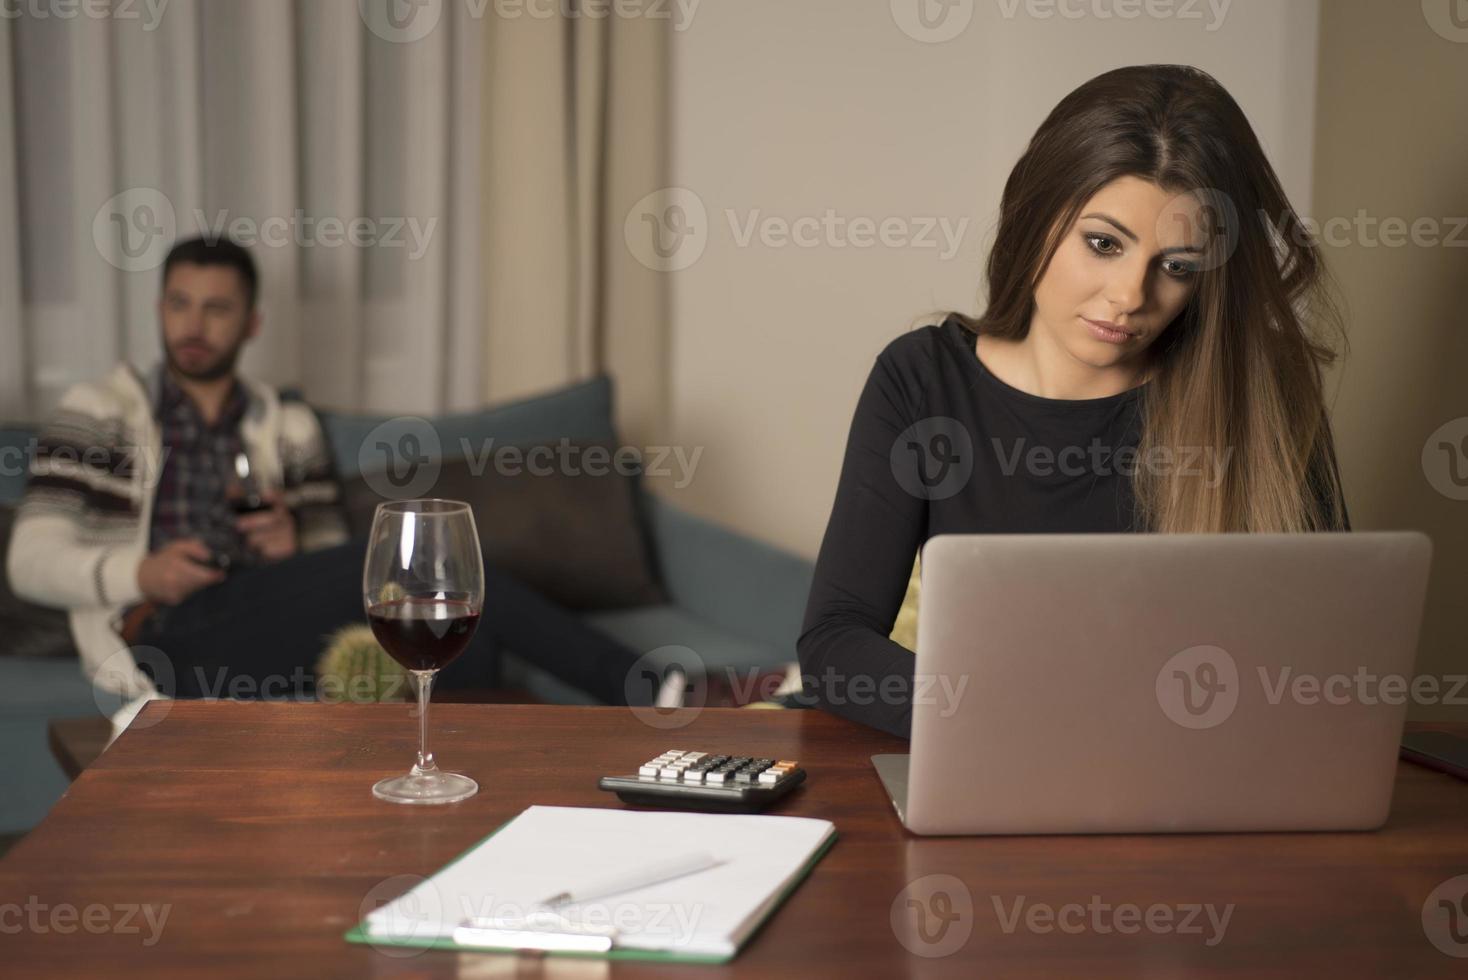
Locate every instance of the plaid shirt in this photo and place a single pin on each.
(197, 471)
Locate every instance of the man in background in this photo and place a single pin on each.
(189, 520)
(161, 500)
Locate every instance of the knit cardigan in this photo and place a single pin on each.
(82, 528)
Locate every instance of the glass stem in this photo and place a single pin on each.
(425, 689)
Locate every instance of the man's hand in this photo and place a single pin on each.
(176, 571)
(270, 533)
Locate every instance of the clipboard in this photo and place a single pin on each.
(550, 934)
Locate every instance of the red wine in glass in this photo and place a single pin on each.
(244, 492)
(423, 633)
(248, 504)
(423, 590)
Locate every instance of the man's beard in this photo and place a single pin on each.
(222, 366)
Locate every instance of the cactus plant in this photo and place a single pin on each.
(355, 667)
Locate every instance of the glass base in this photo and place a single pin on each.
(425, 788)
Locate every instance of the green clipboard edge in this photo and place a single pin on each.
(357, 934)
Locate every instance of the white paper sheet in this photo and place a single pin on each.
(550, 849)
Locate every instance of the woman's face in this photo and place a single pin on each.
(1130, 260)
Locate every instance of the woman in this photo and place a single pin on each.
(1149, 360)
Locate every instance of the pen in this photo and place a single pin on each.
(626, 881)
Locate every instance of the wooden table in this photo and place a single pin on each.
(253, 824)
(76, 742)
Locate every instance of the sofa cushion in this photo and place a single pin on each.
(580, 412)
(724, 576)
(572, 534)
(653, 628)
(15, 462)
(26, 629)
(729, 660)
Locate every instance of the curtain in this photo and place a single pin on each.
(576, 116)
(335, 154)
(434, 195)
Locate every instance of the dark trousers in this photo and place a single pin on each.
(260, 632)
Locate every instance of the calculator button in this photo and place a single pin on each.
(777, 772)
(695, 772)
(716, 770)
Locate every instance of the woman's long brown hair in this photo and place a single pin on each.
(1237, 377)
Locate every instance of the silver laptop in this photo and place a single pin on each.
(1141, 683)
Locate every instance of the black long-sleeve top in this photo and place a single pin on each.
(940, 445)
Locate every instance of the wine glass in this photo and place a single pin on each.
(423, 586)
(243, 491)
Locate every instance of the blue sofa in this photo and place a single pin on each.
(735, 601)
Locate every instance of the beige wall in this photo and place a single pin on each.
(794, 108)
(1392, 141)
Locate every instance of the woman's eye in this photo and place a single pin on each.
(1105, 245)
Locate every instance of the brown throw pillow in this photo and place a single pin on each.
(577, 539)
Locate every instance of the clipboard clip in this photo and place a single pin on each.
(539, 932)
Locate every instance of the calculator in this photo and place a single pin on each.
(707, 781)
